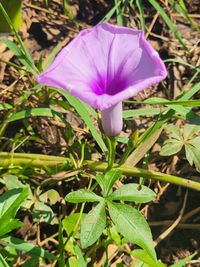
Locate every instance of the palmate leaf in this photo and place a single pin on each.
(193, 155)
(93, 225)
(133, 192)
(171, 147)
(81, 196)
(132, 225)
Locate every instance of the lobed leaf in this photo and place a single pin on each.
(171, 147)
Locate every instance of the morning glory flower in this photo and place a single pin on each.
(103, 66)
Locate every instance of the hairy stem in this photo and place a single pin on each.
(40, 161)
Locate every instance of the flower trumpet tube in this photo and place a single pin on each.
(103, 66)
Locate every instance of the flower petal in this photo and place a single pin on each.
(105, 65)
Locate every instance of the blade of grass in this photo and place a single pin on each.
(42, 112)
(143, 148)
(168, 21)
(141, 112)
(119, 13)
(82, 111)
(181, 9)
(25, 51)
(18, 53)
(111, 12)
(52, 55)
(141, 11)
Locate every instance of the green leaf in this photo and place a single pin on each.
(142, 112)
(174, 131)
(141, 11)
(43, 112)
(193, 155)
(111, 12)
(119, 13)
(184, 261)
(190, 131)
(133, 192)
(32, 262)
(43, 213)
(195, 142)
(12, 182)
(182, 10)
(82, 195)
(70, 221)
(31, 249)
(80, 107)
(9, 204)
(107, 180)
(61, 257)
(187, 95)
(93, 225)
(132, 225)
(22, 46)
(143, 147)
(171, 147)
(51, 195)
(52, 55)
(141, 255)
(73, 262)
(19, 54)
(5, 106)
(80, 258)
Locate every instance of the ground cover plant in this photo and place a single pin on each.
(100, 133)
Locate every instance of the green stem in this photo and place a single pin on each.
(111, 149)
(39, 160)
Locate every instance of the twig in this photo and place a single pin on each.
(190, 214)
(152, 24)
(176, 222)
(180, 225)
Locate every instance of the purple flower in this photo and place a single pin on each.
(103, 66)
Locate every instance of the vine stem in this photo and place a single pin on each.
(41, 161)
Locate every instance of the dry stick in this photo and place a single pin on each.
(190, 214)
(40, 161)
(176, 222)
(152, 24)
(50, 12)
(170, 222)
